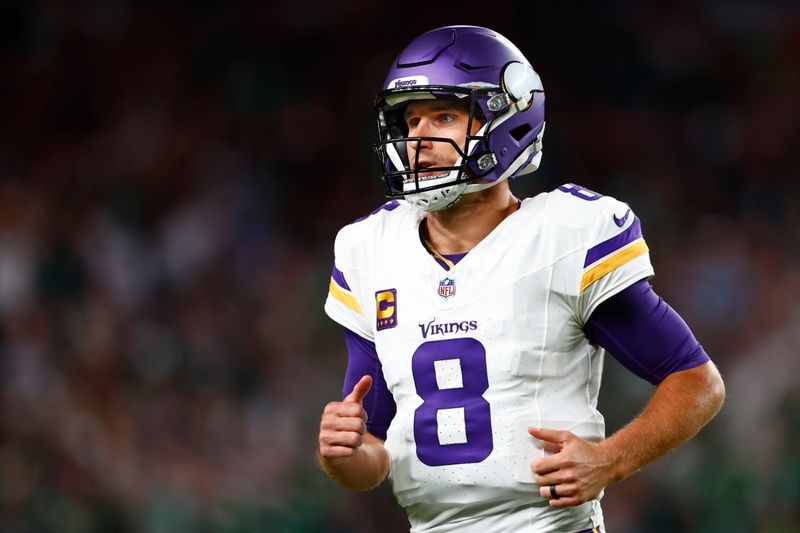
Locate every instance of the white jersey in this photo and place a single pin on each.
(475, 355)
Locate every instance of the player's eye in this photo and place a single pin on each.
(412, 122)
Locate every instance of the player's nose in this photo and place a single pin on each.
(422, 128)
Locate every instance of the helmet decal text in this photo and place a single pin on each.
(408, 81)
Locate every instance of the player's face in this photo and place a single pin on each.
(437, 118)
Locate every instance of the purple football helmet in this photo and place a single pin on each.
(484, 69)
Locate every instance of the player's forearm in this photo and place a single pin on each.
(680, 406)
(363, 470)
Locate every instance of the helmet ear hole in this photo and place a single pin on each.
(520, 131)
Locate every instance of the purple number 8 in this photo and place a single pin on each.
(471, 356)
(580, 192)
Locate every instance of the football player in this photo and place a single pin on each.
(476, 323)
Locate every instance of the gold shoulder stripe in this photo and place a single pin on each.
(347, 299)
(637, 248)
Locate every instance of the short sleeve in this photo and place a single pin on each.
(343, 306)
(616, 258)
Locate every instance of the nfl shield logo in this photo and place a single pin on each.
(447, 288)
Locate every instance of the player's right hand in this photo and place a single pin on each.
(343, 424)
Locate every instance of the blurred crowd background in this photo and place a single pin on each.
(172, 176)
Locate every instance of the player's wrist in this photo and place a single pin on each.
(335, 468)
(332, 464)
(365, 469)
(615, 459)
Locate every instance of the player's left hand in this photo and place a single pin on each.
(579, 469)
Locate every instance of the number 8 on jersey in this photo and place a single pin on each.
(450, 376)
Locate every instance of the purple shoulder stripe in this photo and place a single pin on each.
(613, 244)
(338, 277)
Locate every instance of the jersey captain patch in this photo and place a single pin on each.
(386, 309)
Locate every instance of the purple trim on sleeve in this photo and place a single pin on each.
(645, 334)
(338, 277)
(362, 359)
(614, 243)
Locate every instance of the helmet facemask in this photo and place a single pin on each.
(429, 188)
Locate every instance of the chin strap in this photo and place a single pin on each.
(444, 197)
(535, 149)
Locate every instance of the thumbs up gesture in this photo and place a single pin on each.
(343, 424)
